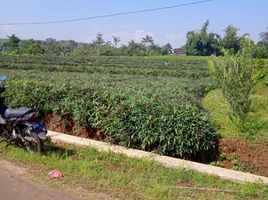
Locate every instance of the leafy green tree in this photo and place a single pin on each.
(202, 43)
(13, 41)
(12, 44)
(264, 40)
(67, 46)
(108, 50)
(51, 47)
(260, 52)
(99, 39)
(153, 50)
(166, 49)
(123, 50)
(136, 49)
(30, 47)
(261, 49)
(230, 40)
(2, 43)
(50, 41)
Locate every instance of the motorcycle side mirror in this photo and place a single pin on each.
(3, 78)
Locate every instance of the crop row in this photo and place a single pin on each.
(108, 65)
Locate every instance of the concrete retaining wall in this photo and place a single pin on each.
(164, 160)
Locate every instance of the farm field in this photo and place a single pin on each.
(149, 103)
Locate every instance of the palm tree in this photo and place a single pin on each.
(99, 41)
(147, 40)
(116, 40)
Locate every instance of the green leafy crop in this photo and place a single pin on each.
(146, 103)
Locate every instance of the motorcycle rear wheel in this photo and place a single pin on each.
(34, 144)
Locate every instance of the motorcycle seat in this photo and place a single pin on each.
(16, 113)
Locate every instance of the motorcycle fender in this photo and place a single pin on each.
(42, 135)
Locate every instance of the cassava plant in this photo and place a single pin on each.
(235, 77)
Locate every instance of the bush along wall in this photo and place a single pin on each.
(179, 129)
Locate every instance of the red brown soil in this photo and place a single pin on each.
(66, 125)
(251, 158)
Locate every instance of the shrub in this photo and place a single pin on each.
(235, 76)
(169, 128)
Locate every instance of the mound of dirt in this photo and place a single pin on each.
(245, 156)
(66, 125)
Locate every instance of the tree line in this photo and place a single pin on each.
(198, 43)
(98, 47)
(203, 43)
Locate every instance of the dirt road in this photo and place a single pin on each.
(14, 185)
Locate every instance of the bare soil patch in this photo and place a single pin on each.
(245, 156)
(66, 125)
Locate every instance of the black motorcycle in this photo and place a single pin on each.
(21, 126)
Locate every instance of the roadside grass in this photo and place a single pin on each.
(259, 110)
(219, 110)
(86, 170)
